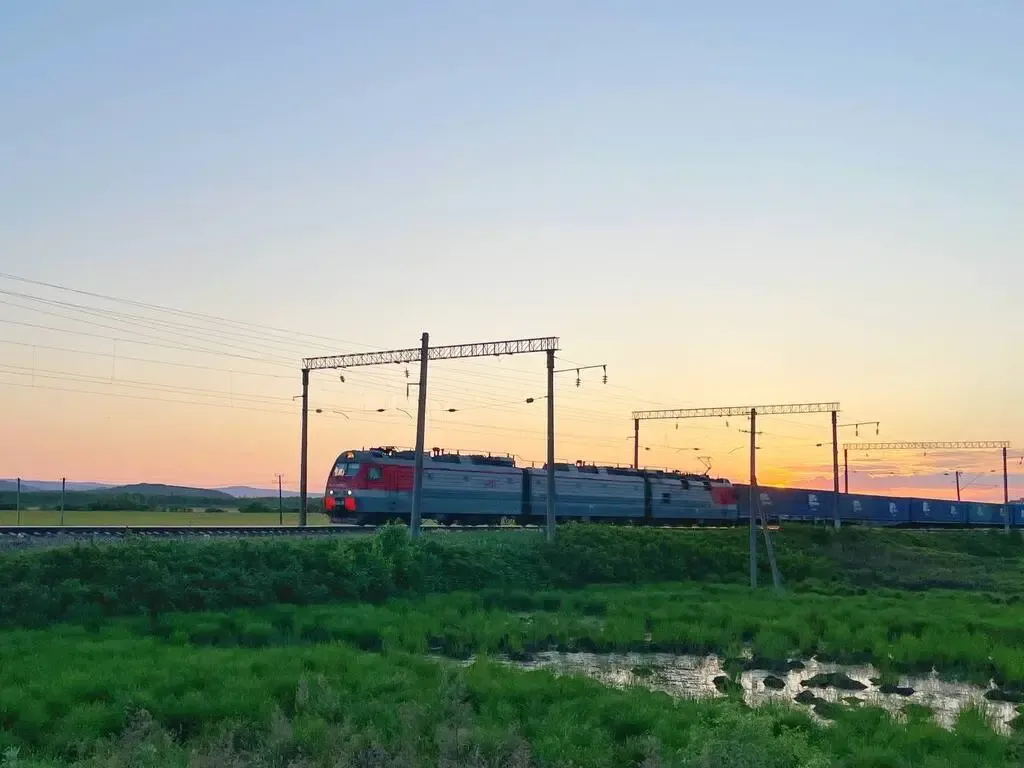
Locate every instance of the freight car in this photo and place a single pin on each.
(808, 505)
(369, 487)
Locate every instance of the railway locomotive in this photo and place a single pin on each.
(368, 487)
(373, 486)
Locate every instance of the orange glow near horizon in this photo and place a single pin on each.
(129, 441)
(122, 412)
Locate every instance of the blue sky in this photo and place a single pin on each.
(727, 202)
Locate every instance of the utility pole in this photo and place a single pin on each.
(63, 481)
(835, 470)
(19, 501)
(636, 443)
(769, 547)
(550, 527)
(754, 498)
(1006, 496)
(421, 425)
(957, 474)
(304, 456)
(280, 502)
(846, 470)
(757, 513)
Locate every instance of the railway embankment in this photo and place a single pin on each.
(90, 582)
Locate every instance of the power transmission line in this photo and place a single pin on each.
(151, 340)
(146, 336)
(180, 312)
(253, 344)
(162, 325)
(150, 360)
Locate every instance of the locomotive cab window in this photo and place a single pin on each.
(373, 473)
(346, 469)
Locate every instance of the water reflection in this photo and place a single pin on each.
(694, 677)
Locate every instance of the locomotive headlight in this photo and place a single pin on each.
(348, 493)
(330, 492)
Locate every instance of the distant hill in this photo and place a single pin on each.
(146, 493)
(12, 485)
(155, 489)
(248, 492)
(51, 485)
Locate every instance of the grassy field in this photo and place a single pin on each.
(195, 517)
(144, 701)
(312, 653)
(963, 636)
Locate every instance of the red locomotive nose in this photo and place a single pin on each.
(349, 504)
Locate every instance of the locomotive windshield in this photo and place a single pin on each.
(346, 469)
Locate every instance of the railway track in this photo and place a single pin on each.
(17, 537)
(215, 530)
(210, 531)
(121, 531)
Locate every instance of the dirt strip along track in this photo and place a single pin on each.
(18, 537)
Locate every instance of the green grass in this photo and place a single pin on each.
(195, 516)
(311, 653)
(966, 637)
(90, 582)
(113, 699)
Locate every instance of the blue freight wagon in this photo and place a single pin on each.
(809, 505)
(932, 512)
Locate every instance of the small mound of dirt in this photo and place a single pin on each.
(806, 697)
(733, 666)
(774, 683)
(1000, 694)
(839, 680)
(645, 670)
(726, 685)
(828, 709)
(899, 690)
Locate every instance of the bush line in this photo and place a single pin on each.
(89, 582)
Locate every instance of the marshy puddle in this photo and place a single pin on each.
(694, 677)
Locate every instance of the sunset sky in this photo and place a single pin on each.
(727, 204)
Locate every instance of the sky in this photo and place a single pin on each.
(725, 204)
